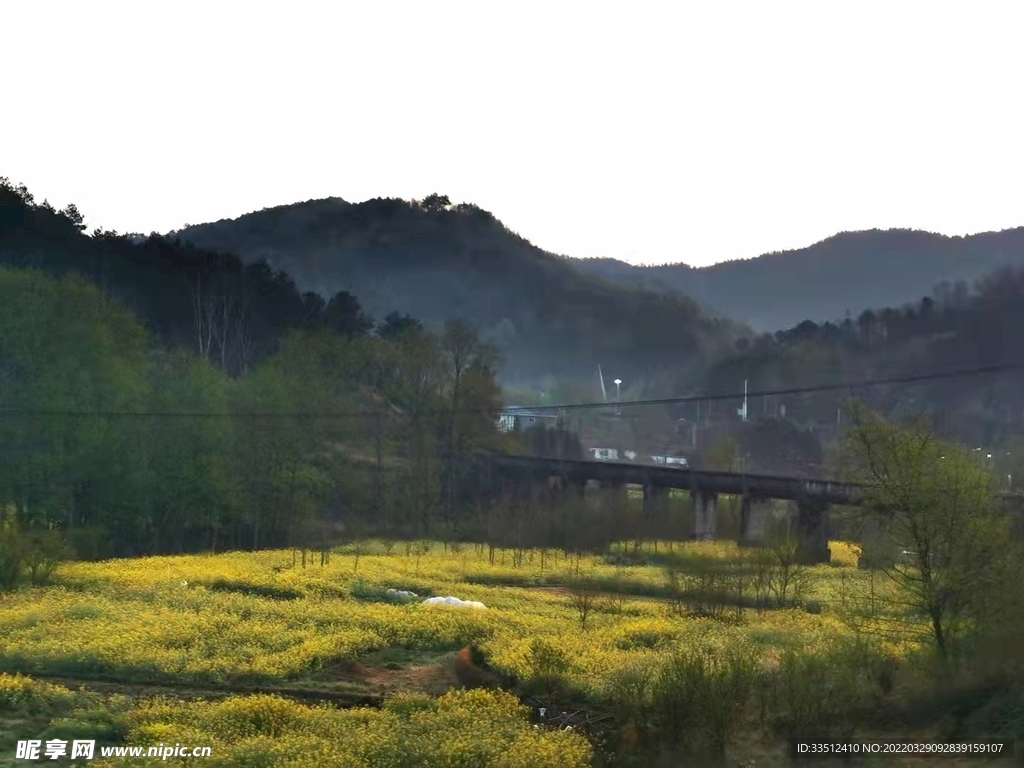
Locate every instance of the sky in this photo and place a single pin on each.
(648, 132)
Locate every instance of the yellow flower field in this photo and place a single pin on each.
(187, 618)
(461, 728)
(262, 619)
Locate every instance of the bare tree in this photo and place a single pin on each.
(582, 597)
(220, 317)
(201, 310)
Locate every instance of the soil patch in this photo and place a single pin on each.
(431, 679)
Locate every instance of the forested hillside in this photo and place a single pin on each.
(437, 261)
(851, 271)
(227, 409)
(235, 319)
(950, 331)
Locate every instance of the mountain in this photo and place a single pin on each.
(850, 271)
(437, 261)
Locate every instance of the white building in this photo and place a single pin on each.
(517, 419)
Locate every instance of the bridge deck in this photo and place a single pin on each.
(762, 486)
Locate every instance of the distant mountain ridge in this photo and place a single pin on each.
(849, 271)
(438, 261)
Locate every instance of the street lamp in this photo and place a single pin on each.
(618, 399)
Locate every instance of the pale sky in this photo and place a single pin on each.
(649, 132)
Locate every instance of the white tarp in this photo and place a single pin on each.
(453, 601)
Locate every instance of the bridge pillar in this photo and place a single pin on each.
(575, 489)
(877, 550)
(754, 515)
(704, 514)
(526, 490)
(812, 532)
(564, 490)
(611, 495)
(655, 501)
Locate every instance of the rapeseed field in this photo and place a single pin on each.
(263, 619)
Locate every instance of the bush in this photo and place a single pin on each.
(582, 597)
(698, 698)
(23, 695)
(629, 690)
(704, 591)
(816, 697)
(11, 561)
(30, 556)
(44, 551)
(549, 665)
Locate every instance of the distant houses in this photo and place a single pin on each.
(516, 419)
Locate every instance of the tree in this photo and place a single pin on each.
(935, 502)
(414, 389)
(866, 324)
(66, 348)
(582, 597)
(344, 315)
(72, 214)
(436, 202)
(724, 455)
(221, 319)
(314, 306)
(190, 485)
(472, 400)
(396, 326)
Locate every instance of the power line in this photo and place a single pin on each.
(739, 395)
(864, 384)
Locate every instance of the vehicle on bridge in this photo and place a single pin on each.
(614, 454)
(670, 461)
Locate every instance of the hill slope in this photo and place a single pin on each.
(851, 271)
(437, 262)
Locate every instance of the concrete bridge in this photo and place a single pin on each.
(540, 476)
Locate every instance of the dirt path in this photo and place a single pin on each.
(111, 685)
(345, 684)
(431, 679)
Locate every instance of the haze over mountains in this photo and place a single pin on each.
(850, 271)
(441, 261)
(437, 262)
(552, 322)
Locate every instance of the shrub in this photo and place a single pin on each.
(11, 560)
(816, 696)
(629, 690)
(582, 597)
(698, 698)
(30, 556)
(43, 552)
(549, 665)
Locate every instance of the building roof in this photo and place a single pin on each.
(518, 410)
